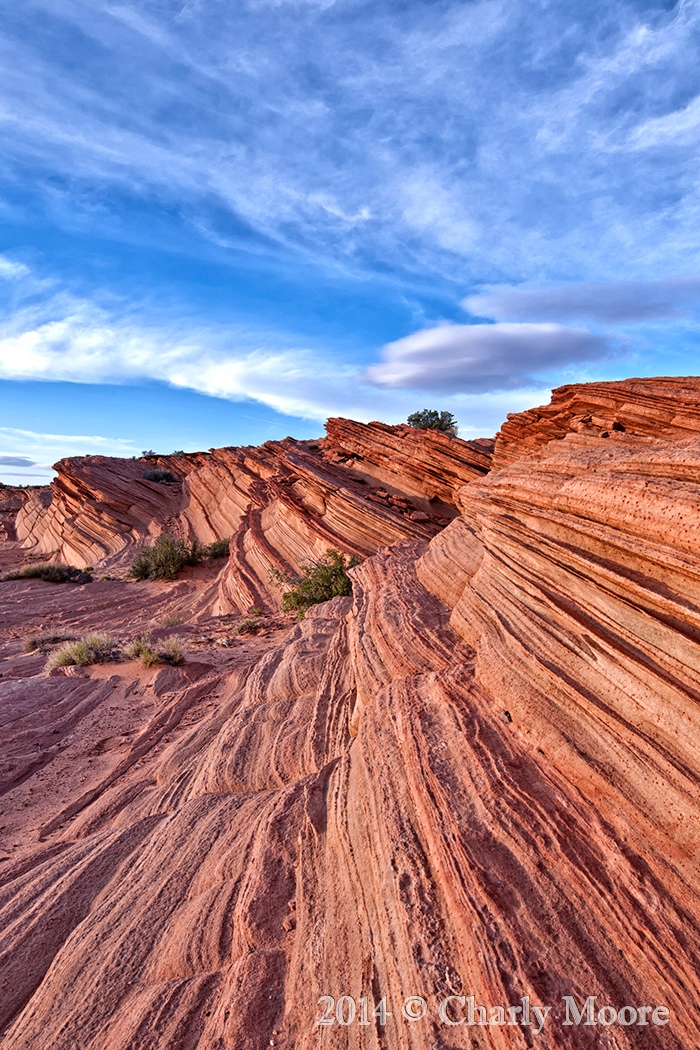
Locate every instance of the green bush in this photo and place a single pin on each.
(431, 419)
(319, 581)
(165, 558)
(218, 549)
(196, 553)
(247, 627)
(163, 477)
(92, 649)
(51, 574)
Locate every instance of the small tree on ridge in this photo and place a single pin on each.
(431, 419)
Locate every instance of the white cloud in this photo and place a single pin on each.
(27, 455)
(68, 339)
(464, 136)
(480, 358)
(71, 340)
(678, 128)
(15, 434)
(608, 302)
(10, 270)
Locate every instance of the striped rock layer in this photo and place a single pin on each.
(476, 776)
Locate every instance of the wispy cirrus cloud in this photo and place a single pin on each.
(472, 132)
(63, 338)
(12, 271)
(528, 152)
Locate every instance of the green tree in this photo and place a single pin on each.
(431, 419)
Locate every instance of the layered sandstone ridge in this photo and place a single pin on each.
(477, 775)
(653, 408)
(424, 463)
(283, 503)
(23, 503)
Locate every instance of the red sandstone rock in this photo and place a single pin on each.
(423, 463)
(282, 504)
(478, 775)
(653, 408)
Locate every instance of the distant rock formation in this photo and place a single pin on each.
(362, 487)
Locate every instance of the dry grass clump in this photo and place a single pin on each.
(102, 648)
(142, 649)
(44, 642)
(169, 651)
(92, 649)
(172, 651)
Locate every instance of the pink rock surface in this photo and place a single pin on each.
(478, 775)
(282, 504)
(653, 408)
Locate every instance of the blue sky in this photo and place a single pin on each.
(222, 223)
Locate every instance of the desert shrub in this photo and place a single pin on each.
(51, 574)
(431, 419)
(256, 612)
(142, 649)
(196, 552)
(247, 627)
(165, 558)
(44, 642)
(163, 477)
(150, 653)
(218, 549)
(171, 651)
(92, 649)
(319, 581)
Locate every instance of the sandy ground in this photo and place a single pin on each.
(69, 733)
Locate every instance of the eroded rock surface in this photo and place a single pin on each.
(478, 775)
(653, 408)
(281, 504)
